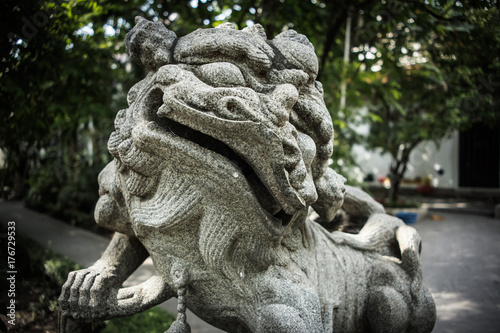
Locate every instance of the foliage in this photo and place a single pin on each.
(416, 108)
(41, 274)
(468, 55)
(55, 82)
(427, 78)
(37, 106)
(42, 261)
(422, 69)
(71, 200)
(154, 320)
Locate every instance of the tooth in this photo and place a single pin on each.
(163, 110)
(292, 154)
(297, 176)
(291, 161)
(291, 150)
(308, 192)
(153, 126)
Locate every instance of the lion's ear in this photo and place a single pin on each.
(149, 43)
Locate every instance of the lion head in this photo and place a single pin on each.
(244, 111)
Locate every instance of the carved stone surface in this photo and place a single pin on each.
(219, 157)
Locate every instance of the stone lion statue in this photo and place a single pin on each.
(219, 160)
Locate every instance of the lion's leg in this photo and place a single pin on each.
(424, 314)
(387, 311)
(280, 318)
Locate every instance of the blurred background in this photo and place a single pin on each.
(412, 88)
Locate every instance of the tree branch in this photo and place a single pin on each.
(333, 27)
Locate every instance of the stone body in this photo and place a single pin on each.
(218, 160)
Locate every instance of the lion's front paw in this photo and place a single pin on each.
(87, 294)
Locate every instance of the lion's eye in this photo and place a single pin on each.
(221, 74)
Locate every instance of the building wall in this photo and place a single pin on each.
(426, 160)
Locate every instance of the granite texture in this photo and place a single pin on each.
(218, 161)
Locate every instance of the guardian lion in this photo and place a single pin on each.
(219, 160)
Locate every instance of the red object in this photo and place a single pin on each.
(425, 189)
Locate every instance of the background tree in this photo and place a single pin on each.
(64, 74)
(413, 106)
(437, 74)
(56, 92)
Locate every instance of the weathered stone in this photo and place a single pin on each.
(219, 157)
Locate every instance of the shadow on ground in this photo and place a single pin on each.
(461, 259)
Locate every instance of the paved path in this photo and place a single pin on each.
(461, 259)
(83, 247)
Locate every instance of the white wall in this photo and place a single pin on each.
(426, 159)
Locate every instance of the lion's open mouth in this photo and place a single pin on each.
(265, 198)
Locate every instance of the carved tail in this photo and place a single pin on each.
(349, 214)
(410, 245)
(378, 235)
(423, 308)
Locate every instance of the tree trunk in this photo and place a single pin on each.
(336, 20)
(396, 175)
(19, 186)
(395, 184)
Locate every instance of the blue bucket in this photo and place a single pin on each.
(408, 218)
